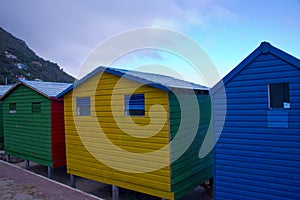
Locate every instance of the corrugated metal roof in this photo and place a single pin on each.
(167, 81)
(4, 88)
(48, 89)
(155, 80)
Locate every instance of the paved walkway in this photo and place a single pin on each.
(19, 184)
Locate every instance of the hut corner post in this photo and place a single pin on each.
(7, 158)
(212, 188)
(209, 187)
(50, 172)
(27, 164)
(72, 181)
(115, 192)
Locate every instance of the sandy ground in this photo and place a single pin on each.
(19, 184)
(28, 191)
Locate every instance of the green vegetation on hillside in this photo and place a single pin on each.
(16, 60)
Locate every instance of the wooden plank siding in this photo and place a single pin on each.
(189, 171)
(27, 135)
(58, 146)
(253, 160)
(86, 143)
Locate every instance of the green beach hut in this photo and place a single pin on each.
(33, 119)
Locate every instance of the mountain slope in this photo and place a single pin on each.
(17, 60)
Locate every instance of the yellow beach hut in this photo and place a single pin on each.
(139, 131)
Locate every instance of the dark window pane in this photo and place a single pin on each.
(279, 94)
(134, 105)
(12, 108)
(137, 112)
(36, 108)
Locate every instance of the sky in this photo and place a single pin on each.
(66, 32)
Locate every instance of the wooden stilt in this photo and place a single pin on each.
(206, 188)
(72, 181)
(27, 164)
(50, 172)
(115, 193)
(211, 186)
(7, 158)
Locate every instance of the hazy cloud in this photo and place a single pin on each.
(66, 31)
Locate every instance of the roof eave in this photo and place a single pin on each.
(236, 70)
(264, 48)
(9, 91)
(285, 56)
(61, 94)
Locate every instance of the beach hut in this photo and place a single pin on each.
(34, 123)
(257, 155)
(3, 89)
(139, 131)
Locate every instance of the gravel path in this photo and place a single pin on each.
(19, 184)
(9, 189)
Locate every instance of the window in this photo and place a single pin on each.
(12, 108)
(83, 106)
(36, 108)
(134, 105)
(279, 95)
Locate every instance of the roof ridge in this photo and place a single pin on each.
(154, 74)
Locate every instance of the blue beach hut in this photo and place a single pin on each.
(257, 155)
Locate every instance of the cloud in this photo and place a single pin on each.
(194, 13)
(66, 31)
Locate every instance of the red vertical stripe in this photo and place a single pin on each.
(58, 133)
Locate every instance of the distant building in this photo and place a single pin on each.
(37, 63)
(21, 78)
(21, 66)
(9, 55)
